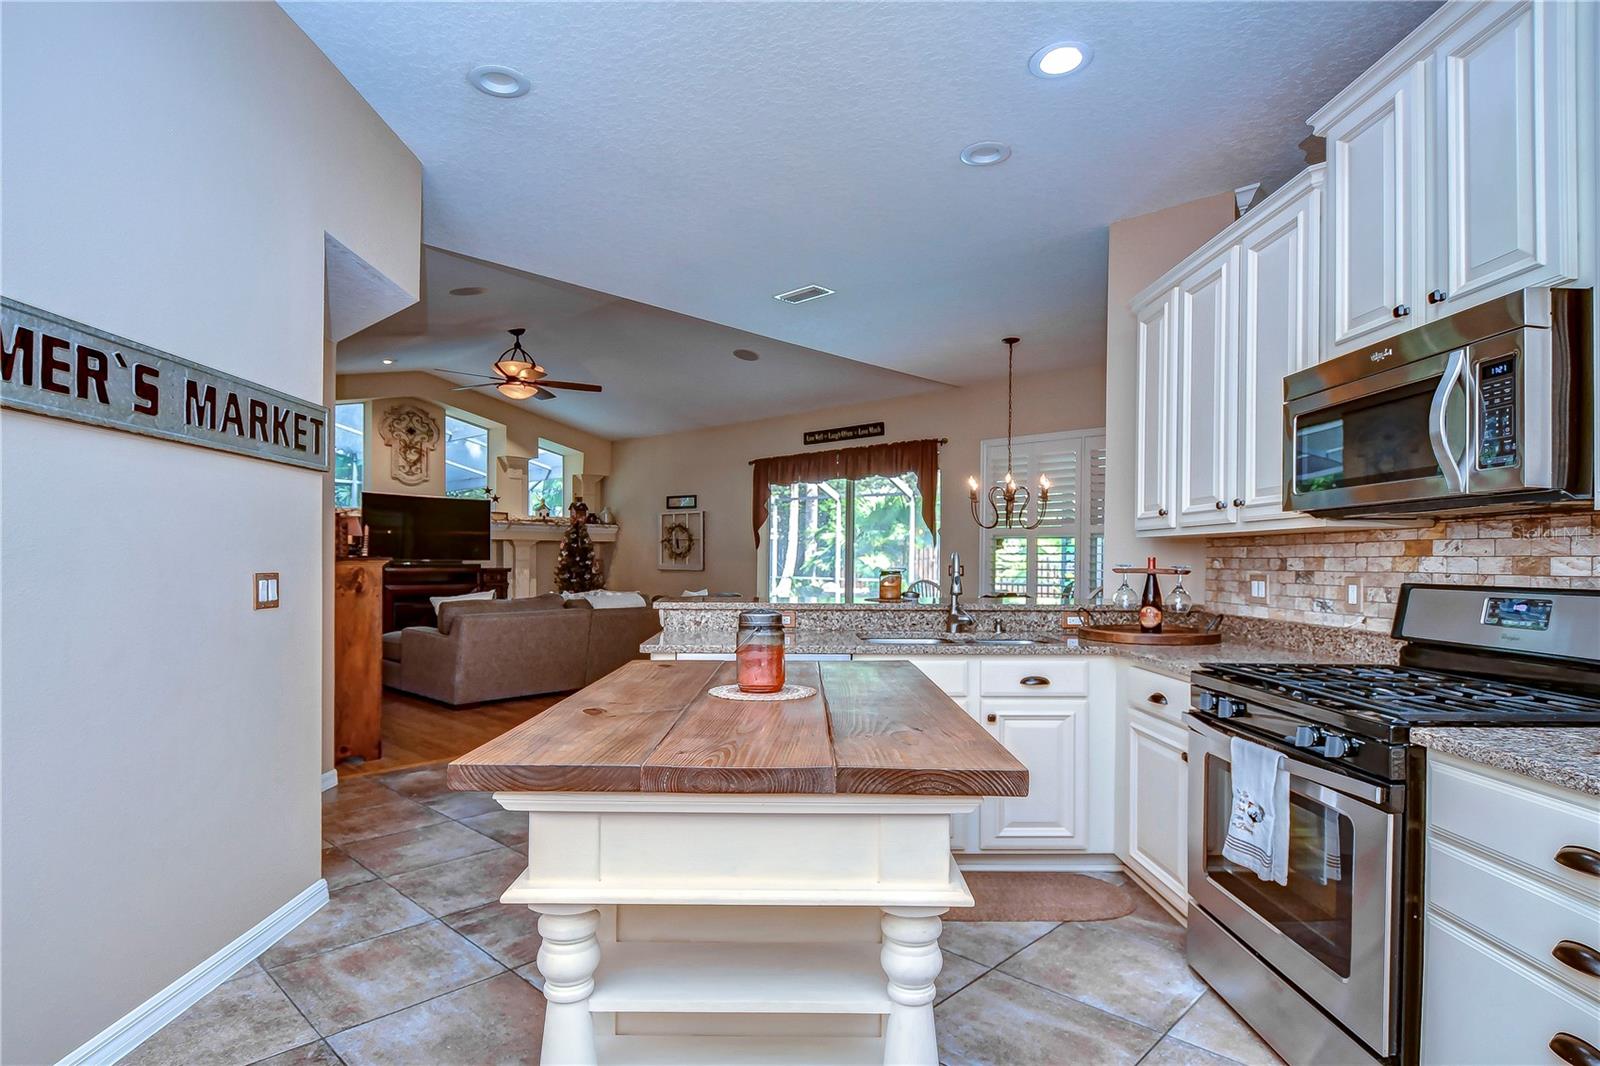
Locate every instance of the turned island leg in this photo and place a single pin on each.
(568, 956)
(911, 960)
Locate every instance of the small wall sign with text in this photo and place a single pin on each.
(54, 366)
(682, 503)
(839, 433)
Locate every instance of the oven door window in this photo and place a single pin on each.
(1315, 909)
(1373, 440)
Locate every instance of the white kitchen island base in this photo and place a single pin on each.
(694, 928)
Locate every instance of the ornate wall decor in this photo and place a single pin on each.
(682, 541)
(411, 434)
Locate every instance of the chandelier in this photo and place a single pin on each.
(1008, 501)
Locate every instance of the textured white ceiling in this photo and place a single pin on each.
(701, 157)
(662, 371)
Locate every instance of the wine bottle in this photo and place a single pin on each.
(1150, 602)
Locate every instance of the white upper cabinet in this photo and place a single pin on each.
(1375, 167)
(1153, 465)
(1506, 175)
(1454, 169)
(1207, 348)
(1280, 301)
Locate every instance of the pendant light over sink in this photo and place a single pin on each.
(1008, 501)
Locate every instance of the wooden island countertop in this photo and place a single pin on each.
(873, 728)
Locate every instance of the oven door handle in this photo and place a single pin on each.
(1216, 738)
(1455, 478)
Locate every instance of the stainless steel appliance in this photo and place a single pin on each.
(1488, 408)
(1328, 967)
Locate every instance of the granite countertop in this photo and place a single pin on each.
(1176, 662)
(1568, 756)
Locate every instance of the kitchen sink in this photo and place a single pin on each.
(879, 639)
(1008, 642)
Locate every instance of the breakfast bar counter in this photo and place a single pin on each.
(738, 882)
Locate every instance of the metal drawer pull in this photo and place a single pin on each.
(1437, 296)
(988, 718)
(1576, 1050)
(1401, 310)
(1579, 858)
(1158, 698)
(1161, 511)
(1035, 681)
(1580, 957)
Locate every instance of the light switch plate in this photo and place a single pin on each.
(1352, 595)
(266, 591)
(1257, 592)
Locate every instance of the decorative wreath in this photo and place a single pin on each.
(677, 540)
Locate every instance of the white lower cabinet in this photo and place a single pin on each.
(1513, 919)
(1158, 804)
(1051, 738)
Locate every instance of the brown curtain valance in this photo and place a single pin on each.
(919, 457)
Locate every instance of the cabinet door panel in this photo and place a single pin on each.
(1207, 343)
(1153, 465)
(1050, 737)
(1506, 155)
(1158, 803)
(1375, 171)
(1278, 288)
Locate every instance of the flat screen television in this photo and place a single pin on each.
(425, 529)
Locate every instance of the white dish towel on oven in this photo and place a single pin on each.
(1258, 823)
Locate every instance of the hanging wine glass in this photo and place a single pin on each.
(1179, 601)
(1124, 599)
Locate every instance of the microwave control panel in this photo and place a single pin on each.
(1497, 412)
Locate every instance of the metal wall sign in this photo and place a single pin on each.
(54, 366)
(831, 436)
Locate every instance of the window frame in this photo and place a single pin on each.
(847, 503)
(1082, 529)
(560, 478)
(488, 459)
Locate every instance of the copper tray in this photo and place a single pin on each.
(1130, 634)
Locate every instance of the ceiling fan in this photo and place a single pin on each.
(518, 377)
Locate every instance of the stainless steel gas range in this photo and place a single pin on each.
(1328, 967)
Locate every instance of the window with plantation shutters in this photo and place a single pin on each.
(1064, 556)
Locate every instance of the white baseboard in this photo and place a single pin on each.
(139, 1024)
(330, 779)
(1050, 862)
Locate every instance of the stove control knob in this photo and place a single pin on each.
(1205, 700)
(1306, 736)
(1229, 707)
(1334, 746)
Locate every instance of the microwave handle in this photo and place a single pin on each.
(1455, 478)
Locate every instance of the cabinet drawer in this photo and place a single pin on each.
(1514, 818)
(1034, 677)
(948, 672)
(1512, 910)
(1481, 1006)
(1145, 690)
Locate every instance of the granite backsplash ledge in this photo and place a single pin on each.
(1307, 573)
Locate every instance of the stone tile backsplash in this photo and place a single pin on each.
(1307, 573)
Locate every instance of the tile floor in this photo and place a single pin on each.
(414, 961)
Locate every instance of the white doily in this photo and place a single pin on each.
(787, 692)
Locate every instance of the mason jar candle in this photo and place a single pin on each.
(758, 651)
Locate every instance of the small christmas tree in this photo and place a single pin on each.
(576, 569)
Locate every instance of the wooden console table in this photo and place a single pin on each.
(358, 658)
(735, 882)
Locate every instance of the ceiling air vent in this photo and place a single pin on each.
(802, 295)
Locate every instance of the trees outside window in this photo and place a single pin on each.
(349, 453)
(547, 481)
(828, 541)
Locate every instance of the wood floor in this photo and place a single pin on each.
(417, 732)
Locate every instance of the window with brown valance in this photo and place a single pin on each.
(919, 457)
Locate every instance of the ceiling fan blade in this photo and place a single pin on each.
(465, 373)
(575, 386)
(544, 394)
(485, 385)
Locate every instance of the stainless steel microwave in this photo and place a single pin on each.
(1488, 409)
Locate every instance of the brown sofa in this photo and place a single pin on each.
(500, 649)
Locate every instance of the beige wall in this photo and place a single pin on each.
(159, 773)
(714, 464)
(1142, 249)
(522, 429)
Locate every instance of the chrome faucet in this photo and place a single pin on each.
(958, 619)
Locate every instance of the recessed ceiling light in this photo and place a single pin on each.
(498, 81)
(746, 354)
(469, 290)
(1063, 57)
(985, 153)
(388, 362)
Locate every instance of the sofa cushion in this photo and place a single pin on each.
(391, 646)
(603, 599)
(451, 610)
(438, 601)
